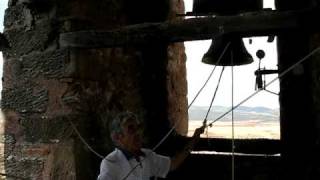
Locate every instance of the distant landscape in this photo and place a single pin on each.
(249, 122)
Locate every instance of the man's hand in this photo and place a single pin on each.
(177, 160)
(196, 136)
(198, 131)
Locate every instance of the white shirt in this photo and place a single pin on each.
(116, 166)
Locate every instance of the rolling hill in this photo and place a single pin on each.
(241, 113)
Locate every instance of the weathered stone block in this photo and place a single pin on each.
(40, 161)
(18, 16)
(24, 167)
(7, 138)
(47, 64)
(25, 99)
(11, 73)
(44, 129)
(24, 41)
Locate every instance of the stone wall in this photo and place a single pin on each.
(49, 90)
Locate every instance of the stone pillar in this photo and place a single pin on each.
(49, 90)
(299, 101)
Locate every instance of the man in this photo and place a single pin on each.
(129, 161)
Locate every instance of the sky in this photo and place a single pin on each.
(3, 5)
(197, 72)
(244, 78)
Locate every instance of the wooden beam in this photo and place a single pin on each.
(249, 24)
(247, 146)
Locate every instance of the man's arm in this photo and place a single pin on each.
(106, 171)
(178, 159)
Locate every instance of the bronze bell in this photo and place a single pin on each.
(235, 53)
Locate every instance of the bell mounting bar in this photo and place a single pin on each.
(247, 24)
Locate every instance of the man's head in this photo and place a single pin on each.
(126, 131)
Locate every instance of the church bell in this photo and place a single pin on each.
(230, 48)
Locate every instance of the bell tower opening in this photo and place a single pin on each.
(257, 117)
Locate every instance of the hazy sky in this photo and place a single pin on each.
(3, 5)
(244, 78)
(197, 72)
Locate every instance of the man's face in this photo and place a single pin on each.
(131, 136)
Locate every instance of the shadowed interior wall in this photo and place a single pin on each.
(299, 99)
(48, 90)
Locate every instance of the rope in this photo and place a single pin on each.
(173, 127)
(204, 123)
(233, 107)
(272, 81)
(84, 141)
(206, 82)
(135, 167)
(214, 96)
(165, 137)
(232, 119)
(271, 92)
